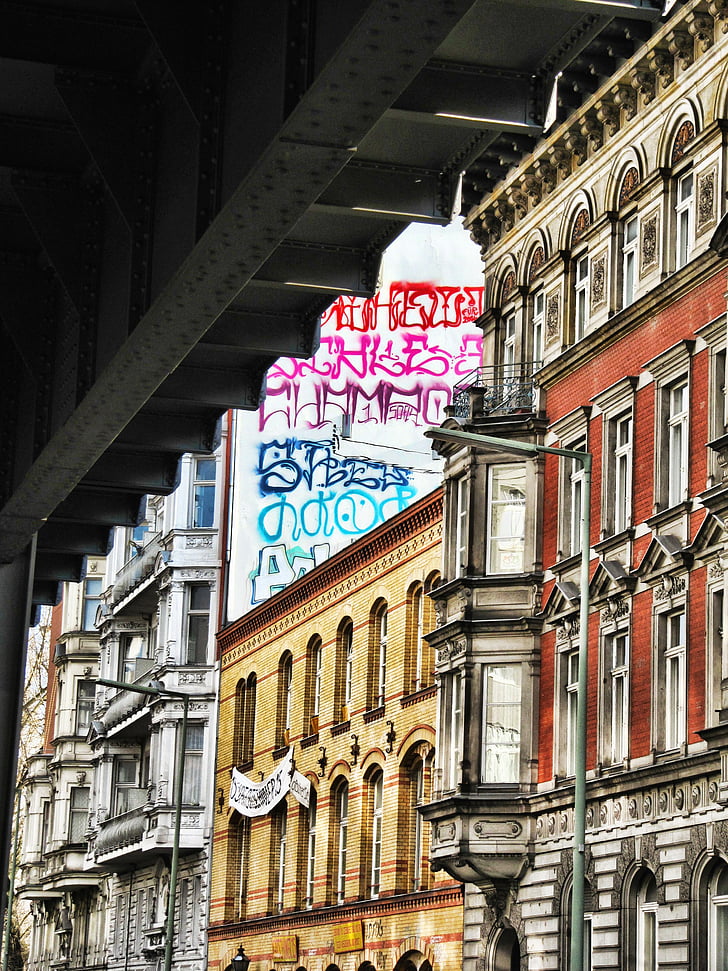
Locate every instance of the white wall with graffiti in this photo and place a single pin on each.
(337, 447)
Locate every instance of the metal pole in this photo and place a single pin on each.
(11, 885)
(178, 786)
(577, 890)
(160, 690)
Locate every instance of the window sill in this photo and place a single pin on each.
(374, 714)
(428, 692)
(309, 740)
(340, 729)
(278, 753)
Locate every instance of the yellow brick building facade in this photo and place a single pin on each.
(337, 668)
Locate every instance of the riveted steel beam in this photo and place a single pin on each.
(313, 144)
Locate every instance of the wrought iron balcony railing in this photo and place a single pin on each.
(499, 389)
(137, 569)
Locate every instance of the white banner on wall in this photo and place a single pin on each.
(258, 798)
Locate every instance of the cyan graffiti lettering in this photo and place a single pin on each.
(278, 567)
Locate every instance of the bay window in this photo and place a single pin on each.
(506, 518)
(501, 727)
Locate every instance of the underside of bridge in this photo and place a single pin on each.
(184, 189)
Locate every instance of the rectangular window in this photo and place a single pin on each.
(573, 493)
(537, 325)
(461, 526)
(501, 729)
(677, 443)
(581, 293)
(134, 662)
(46, 825)
(311, 852)
(194, 752)
(714, 676)
(127, 794)
(92, 588)
(377, 801)
(684, 220)
(675, 684)
(342, 806)
(629, 261)
(203, 493)
(78, 814)
(617, 651)
(622, 472)
(382, 661)
(572, 704)
(453, 723)
(198, 623)
(506, 518)
(509, 346)
(281, 860)
(85, 701)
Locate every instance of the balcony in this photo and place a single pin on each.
(504, 389)
(138, 569)
(124, 831)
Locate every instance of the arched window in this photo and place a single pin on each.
(630, 235)
(314, 660)
(537, 305)
(279, 824)
(310, 822)
(378, 655)
(711, 937)
(645, 911)
(683, 194)
(285, 691)
(417, 823)
(581, 273)
(238, 866)
(340, 820)
(420, 621)
(376, 806)
(344, 671)
(244, 737)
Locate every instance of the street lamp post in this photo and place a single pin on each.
(491, 443)
(158, 689)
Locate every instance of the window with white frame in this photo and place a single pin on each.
(127, 794)
(461, 525)
(671, 372)
(85, 701)
(311, 849)
(622, 472)
(572, 506)
(203, 493)
(672, 644)
(317, 678)
(581, 296)
(571, 708)
(92, 589)
(684, 219)
(378, 655)
(538, 320)
(417, 790)
(78, 813)
(134, 660)
(617, 404)
(194, 754)
(566, 936)
(280, 822)
(285, 699)
(646, 924)
(344, 671)
(198, 622)
(509, 345)
(714, 674)
(677, 443)
(341, 838)
(451, 722)
(501, 727)
(506, 517)
(629, 260)
(717, 943)
(376, 786)
(616, 697)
